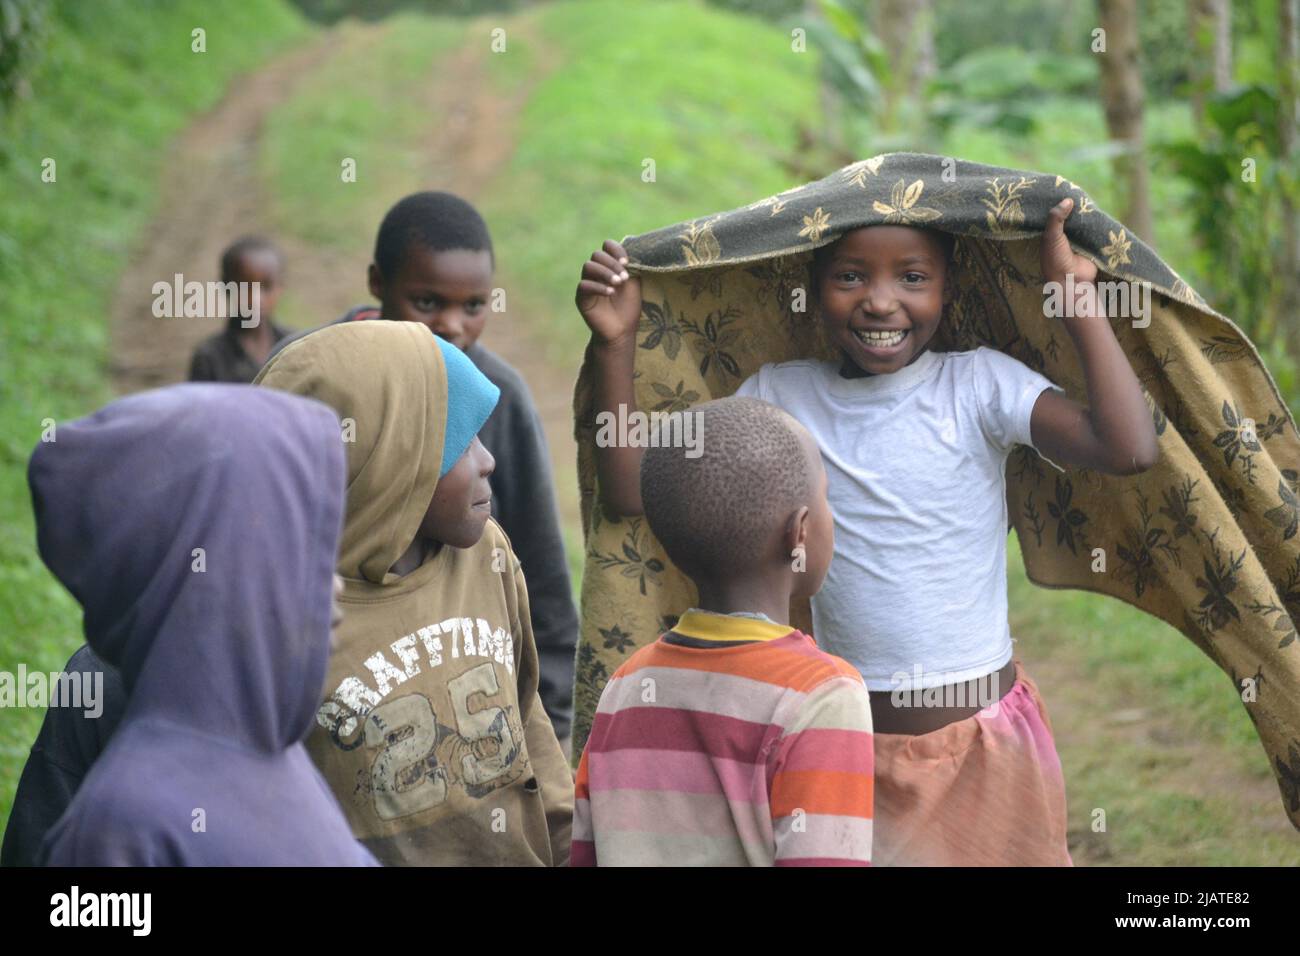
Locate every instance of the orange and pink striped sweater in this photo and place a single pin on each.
(709, 751)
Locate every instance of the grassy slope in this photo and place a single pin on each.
(366, 104)
(117, 81)
(676, 96)
(1139, 683)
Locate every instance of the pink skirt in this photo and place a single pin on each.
(984, 791)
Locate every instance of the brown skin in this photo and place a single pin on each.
(888, 278)
(263, 267)
(610, 302)
(895, 277)
(1115, 433)
(883, 279)
(769, 588)
(458, 511)
(448, 291)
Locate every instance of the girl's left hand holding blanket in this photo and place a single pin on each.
(1114, 434)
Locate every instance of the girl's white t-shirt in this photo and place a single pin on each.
(916, 595)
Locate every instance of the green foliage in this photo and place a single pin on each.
(1165, 47)
(1000, 87)
(854, 61)
(1254, 41)
(775, 10)
(1045, 27)
(22, 25)
(115, 82)
(1233, 202)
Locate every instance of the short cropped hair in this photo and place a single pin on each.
(235, 252)
(717, 513)
(436, 221)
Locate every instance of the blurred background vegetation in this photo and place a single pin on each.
(1156, 129)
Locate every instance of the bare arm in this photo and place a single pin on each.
(610, 302)
(1114, 434)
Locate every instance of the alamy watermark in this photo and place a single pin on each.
(1117, 300)
(39, 689)
(637, 429)
(983, 692)
(179, 299)
(129, 910)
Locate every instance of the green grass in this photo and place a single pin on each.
(1163, 807)
(598, 109)
(370, 103)
(713, 98)
(117, 80)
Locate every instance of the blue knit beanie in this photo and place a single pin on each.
(470, 400)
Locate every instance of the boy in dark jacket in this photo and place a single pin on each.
(237, 352)
(68, 745)
(433, 264)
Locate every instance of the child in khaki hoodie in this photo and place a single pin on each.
(431, 733)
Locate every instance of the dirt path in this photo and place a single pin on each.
(475, 140)
(209, 197)
(212, 195)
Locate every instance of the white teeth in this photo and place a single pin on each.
(881, 339)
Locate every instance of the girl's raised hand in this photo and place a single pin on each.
(1058, 259)
(608, 298)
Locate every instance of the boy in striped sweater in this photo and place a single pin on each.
(732, 740)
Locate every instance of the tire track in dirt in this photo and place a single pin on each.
(210, 195)
(475, 140)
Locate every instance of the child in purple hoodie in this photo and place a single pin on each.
(198, 526)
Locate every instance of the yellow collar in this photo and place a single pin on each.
(704, 626)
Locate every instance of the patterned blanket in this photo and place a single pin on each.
(1206, 540)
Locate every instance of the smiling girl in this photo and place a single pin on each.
(915, 444)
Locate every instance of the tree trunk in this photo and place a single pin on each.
(1209, 27)
(906, 31)
(1122, 95)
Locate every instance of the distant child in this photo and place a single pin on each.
(732, 740)
(197, 525)
(431, 732)
(915, 444)
(433, 264)
(237, 352)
